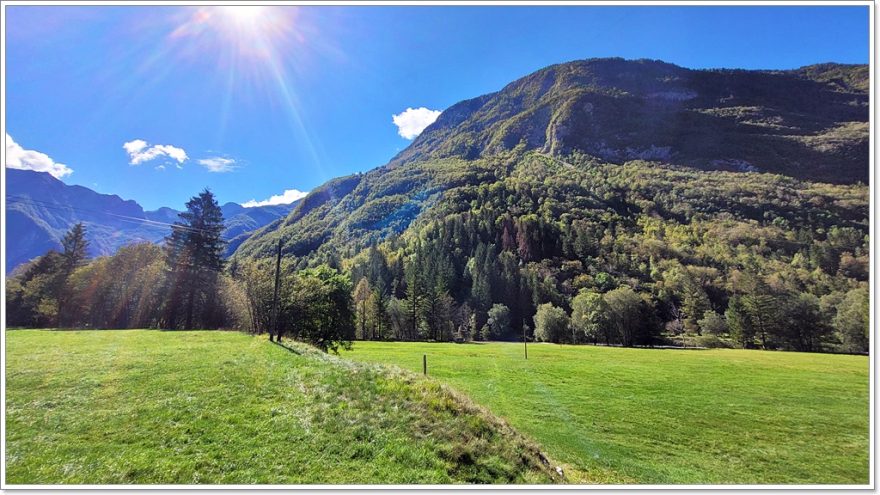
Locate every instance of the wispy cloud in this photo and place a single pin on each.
(20, 158)
(218, 164)
(285, 198)
(412, 121)
(140, 151)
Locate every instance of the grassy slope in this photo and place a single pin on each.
(214, 407)
(667, 416)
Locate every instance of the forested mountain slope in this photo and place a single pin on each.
(635, 183)
(526, 230)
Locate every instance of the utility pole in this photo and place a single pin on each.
(274, 330)
(525, 342)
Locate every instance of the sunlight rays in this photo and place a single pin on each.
(256, 52)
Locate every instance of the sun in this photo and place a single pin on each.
(244, 15)
(239, 31)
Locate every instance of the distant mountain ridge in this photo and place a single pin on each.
(41, 208)
(809, 123)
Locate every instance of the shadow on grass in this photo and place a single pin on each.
(288, 348)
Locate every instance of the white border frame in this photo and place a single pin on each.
(462, 3)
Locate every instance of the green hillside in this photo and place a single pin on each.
(730, 197)
(523, 229)
(152, 407)
(667, 416)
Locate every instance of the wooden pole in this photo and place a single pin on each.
(424, 364)
(274, 330)
(525, 343)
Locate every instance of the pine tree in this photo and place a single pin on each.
(194, 255)
(73, 255)
(415, 293)
(74, 246)
(361, 295)
(739, 321)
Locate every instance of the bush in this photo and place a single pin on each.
(551, 323)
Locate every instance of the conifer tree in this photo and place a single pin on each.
(73, 255)
(194, 256)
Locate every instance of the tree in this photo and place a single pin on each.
(589, 317)
(361, 295)
(377, 312)
(528, 237)
(485, 333)
(713, 323)
(194, 253)
(74, 246)
(803, 327)
(438, 310)
(258, 282)
(465, 322)
(626, 312)
(481, 268)
(551, 323)
(740, 323)
(499, 321)
(852, 321)
(415, 294)
(319, 309)
(73, 255)
(398, 318)
(119, 291)
(763, 309)
(31, 294)
(695, 304)
(40, 293)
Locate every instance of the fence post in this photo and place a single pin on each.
(274, 329)
(424, 364)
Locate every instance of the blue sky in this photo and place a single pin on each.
(155, 103)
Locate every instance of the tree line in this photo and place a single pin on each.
(628, 255)
(428, 294)
(183, 284)
(693, 258)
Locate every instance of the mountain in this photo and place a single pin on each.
(810, 123)
(40, 209)
(241, 222)
(629, 191)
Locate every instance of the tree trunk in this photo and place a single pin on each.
(190, 306)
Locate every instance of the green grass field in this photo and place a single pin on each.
(667, 416)
(147, 407)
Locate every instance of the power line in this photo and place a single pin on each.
(56, 206)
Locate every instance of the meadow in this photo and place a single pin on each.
(154, 407)
(664, 415)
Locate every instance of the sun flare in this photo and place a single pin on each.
(244, 15)
(240, 25)
(254, 51)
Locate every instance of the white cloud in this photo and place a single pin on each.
(20, 158)
(140, 151)
(134, 147)
(412, 121)
(218, 164)
(285, 198)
